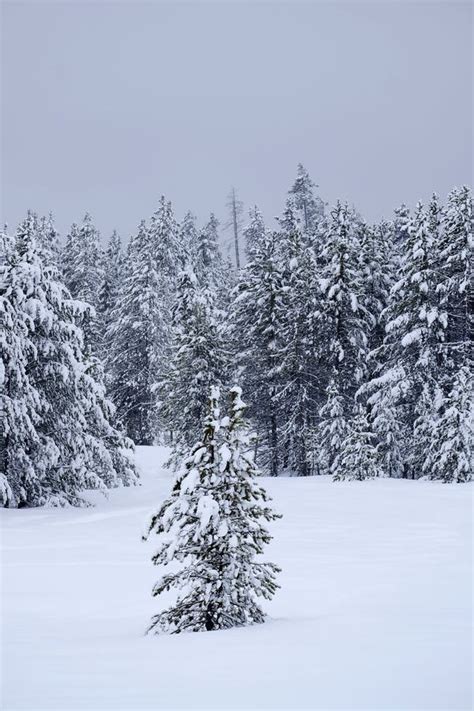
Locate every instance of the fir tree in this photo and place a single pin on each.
(450, 454)
(134, 337)
(21, 404)
(73, 444)
(357, 458)
(308, 208)
(113, 273)
(197, 361)
(253, 232)
(208, 265)
(297, 384)
(333, 427)
(188, 237)
(83, 275)
(212, 526)
(257, 318)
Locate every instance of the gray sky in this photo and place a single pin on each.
(106, 105)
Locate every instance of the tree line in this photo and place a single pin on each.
(352, 341)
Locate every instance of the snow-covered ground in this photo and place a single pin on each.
(374, 610)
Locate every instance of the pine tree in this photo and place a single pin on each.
(357, 458)
(253, 232)
(411, 355)
(257, 317)
(113, 272)
(188, 237)
(83, 275)
(73, 444)
(21, 405)
(307, 207)
(454, 247)
(212, 524)
(134, 337)
(208, 265)
(334, 419)
(345, 320)
(297, 384)
(197, 361)
(48, 240)
(450, 454)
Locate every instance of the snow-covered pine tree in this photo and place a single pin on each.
(256, 317)
(357, 458)
(188, 237)
(212, 524)
(83, 275)
(21, 404)
(450, 454)
(48, 239)
(333, 427)
(377, 271)
(169, 259)
(197, 360)
(297, 384)
(455, 249)
(134, 345)
(112, 278)
(345, 320)
(307, 207)
(208, 265)
(75, 446)
(412, 349)
(253, 232)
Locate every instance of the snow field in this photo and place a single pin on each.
(374, 611)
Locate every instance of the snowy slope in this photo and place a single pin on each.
(374, 610)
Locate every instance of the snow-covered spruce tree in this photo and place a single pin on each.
(208, 265)
(212, 527)
(83, 275)
(113, 274)
(450, 455)
(455, 250)
(188, 237)
(308, 207)
(296, 396)
(334, 424)
(377, 270)
(253, 232)
(20, 445)
(197, 360)
(48, 240)
(411, 355)
(345, 320)
(256, 317)
(133, 361)
(357, 457)
(76, 447)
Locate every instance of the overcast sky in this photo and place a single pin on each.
(106, 105)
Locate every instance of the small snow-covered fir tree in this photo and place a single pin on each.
(212, 527)
(357, 458)
(333, 427)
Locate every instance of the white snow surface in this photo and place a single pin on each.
(374, 610)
